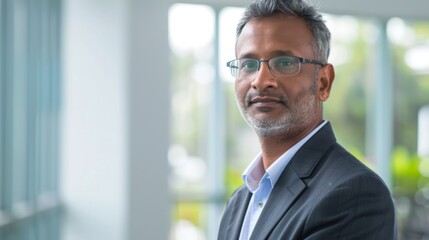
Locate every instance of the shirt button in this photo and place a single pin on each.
(260, 204)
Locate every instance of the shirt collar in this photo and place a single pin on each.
(255, 170)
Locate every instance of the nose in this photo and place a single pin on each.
(264, 78)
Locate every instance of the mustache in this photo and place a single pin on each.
(250, 96)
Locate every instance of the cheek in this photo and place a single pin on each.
(306, 94)
(240, 91)
(297, 90)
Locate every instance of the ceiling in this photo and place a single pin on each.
(409, 9)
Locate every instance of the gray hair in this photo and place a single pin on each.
(298, 8)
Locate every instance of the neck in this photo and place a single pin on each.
(274, 146)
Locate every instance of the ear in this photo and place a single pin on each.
(325, 79)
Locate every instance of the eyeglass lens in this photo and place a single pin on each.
(279, 66)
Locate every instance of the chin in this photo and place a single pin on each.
(272, 130)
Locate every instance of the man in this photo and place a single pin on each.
(303, 185)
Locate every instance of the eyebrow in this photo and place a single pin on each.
(274, 53)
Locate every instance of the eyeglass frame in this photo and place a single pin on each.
(300, 60)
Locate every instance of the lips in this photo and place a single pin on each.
(265, 99)
(264, 103)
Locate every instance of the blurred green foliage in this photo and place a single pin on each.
(192, 212)
(407, 176)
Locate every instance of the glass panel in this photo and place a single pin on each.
(7, 100)
(19, 100)
(28, 121)
(410, 156)
(2, 102)
(192, 73)
(242, 143)
(353, 45)
(192, 51)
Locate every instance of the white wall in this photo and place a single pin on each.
(94, 120)
(115, 120)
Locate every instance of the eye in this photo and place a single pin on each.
(283, 62)
(249, 64)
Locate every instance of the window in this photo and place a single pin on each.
(29, 109)
(410, 157)
(192, 29)
(212, 144)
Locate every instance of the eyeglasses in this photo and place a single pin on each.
(279, 66)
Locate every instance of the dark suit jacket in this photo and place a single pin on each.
(324, 193)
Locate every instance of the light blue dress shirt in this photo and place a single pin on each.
(261, 182)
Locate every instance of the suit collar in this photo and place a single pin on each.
(313, 151)
(290, 184)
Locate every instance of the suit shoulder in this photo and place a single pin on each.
(343, 166)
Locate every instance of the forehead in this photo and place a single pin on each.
(264, 37)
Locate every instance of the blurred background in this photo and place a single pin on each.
(118, 118)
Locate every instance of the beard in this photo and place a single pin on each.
(296, 117)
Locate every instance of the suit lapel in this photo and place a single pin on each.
(238, 213)
(290, 184)
(287, 189)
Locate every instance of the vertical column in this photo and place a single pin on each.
(55, 26)
(2, 93)
(2, 87)
(7, 101)
(148, 215)
(423, 132)
(383, 116)
(216, 145)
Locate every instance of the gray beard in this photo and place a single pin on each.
(291, 123)
(269, 128)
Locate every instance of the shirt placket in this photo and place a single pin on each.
(259, 200)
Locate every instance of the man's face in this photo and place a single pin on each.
(278, 105)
